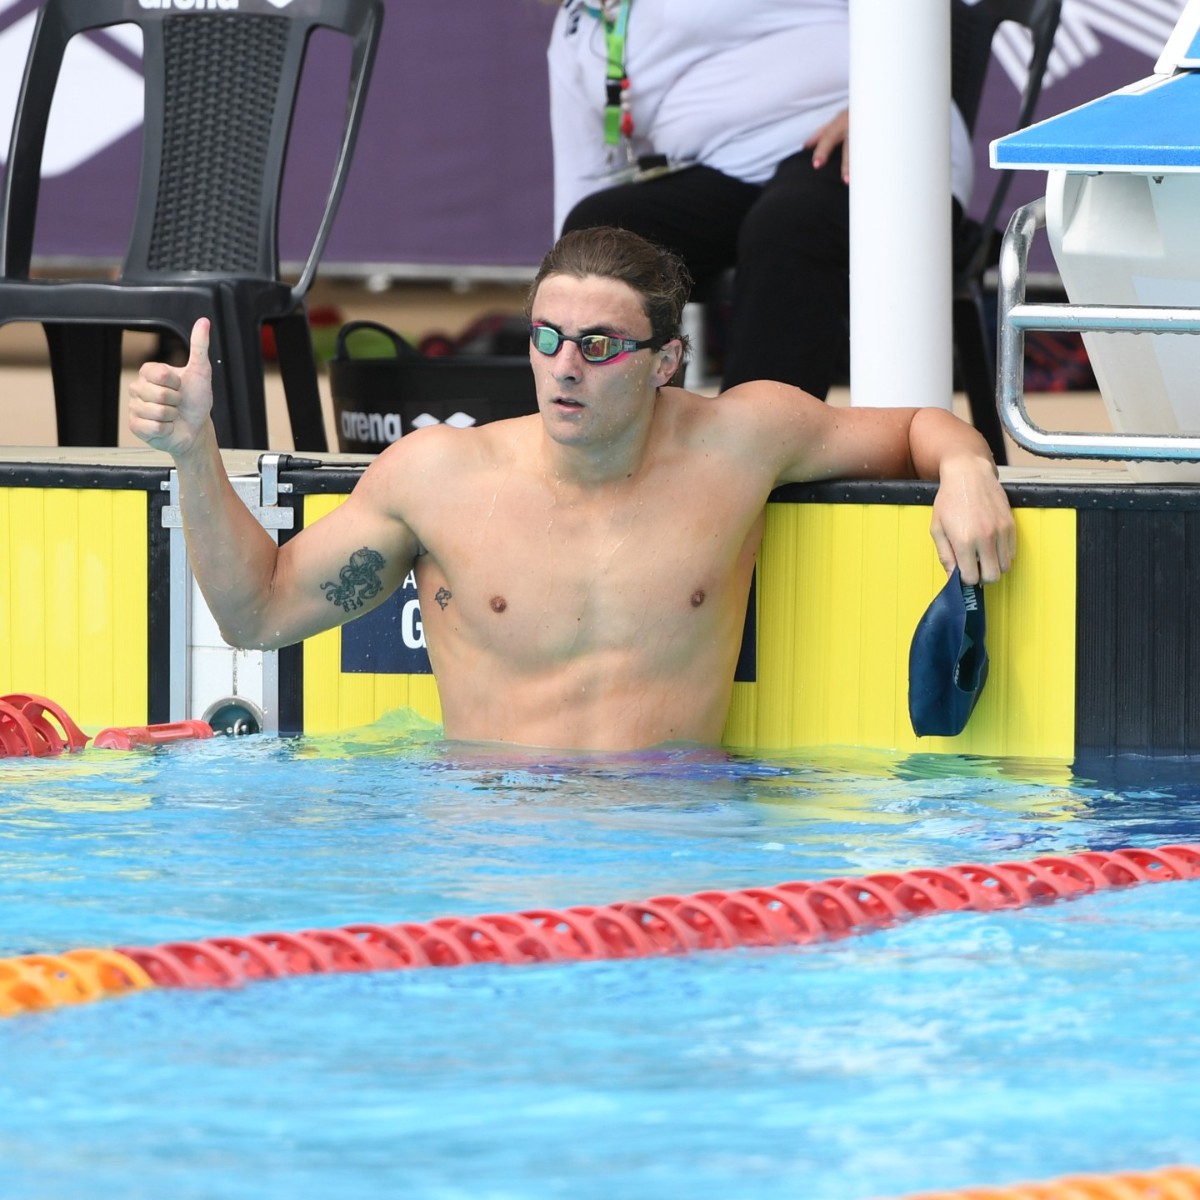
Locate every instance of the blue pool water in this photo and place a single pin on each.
(955, 1050)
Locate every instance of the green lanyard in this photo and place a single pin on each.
(618, 120)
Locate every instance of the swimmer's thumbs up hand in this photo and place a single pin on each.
(198, 350)
(169, 406)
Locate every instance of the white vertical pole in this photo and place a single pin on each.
(900, 269)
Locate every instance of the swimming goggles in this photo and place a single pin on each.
(595, 347)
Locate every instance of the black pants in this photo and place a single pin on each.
(789, 241)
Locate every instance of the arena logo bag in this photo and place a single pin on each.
(394, 387)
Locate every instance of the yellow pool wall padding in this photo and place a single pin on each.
(840, 590)
(74, 602)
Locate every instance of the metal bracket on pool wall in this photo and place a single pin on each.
(236, 690)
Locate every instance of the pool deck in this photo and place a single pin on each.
(27, 398)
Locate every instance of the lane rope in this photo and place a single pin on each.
(1163, 1183)
(789, 914)
(32, 982)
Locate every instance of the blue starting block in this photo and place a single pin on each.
(1122, 214)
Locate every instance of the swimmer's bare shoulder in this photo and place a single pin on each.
(433, 467)
(761, 422)
(771, 427)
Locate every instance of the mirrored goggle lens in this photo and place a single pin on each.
(599, 347)
(595, 347)
(545, 339)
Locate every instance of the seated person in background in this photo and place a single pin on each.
(584, 571)
(746, 103)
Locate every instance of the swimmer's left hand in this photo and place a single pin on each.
(973, 527)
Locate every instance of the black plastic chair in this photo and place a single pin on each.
(972, 30)
(220, 88)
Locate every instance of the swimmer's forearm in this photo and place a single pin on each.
(232, 555)
(973, 527)
(937, 437)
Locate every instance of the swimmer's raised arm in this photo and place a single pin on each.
(263, 596)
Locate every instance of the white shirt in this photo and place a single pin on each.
(737, 85)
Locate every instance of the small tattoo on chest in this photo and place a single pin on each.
(442, 596)
(357, 582)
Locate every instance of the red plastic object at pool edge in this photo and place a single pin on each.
(128, 737)
(25, 728)
(788, 914)
(18, 738)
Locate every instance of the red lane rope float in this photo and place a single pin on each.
(790, 914)
(128, 737)
(1163, 1183)
(26, 730)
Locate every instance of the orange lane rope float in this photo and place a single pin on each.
(790, 914)
(34, 726)
(1164, 1183)
(37, 981)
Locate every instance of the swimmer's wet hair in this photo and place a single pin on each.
(657, 275)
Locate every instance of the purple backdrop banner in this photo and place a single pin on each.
(453, 161)
(452, 164)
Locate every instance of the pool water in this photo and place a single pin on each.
(954, 1050)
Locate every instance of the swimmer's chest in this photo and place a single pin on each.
(562, 574)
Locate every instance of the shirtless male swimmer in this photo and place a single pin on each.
(583, 572)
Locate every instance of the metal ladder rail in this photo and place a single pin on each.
(1015, 316)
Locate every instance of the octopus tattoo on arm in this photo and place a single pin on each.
(358, 581)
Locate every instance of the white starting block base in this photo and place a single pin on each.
(1126, 239)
